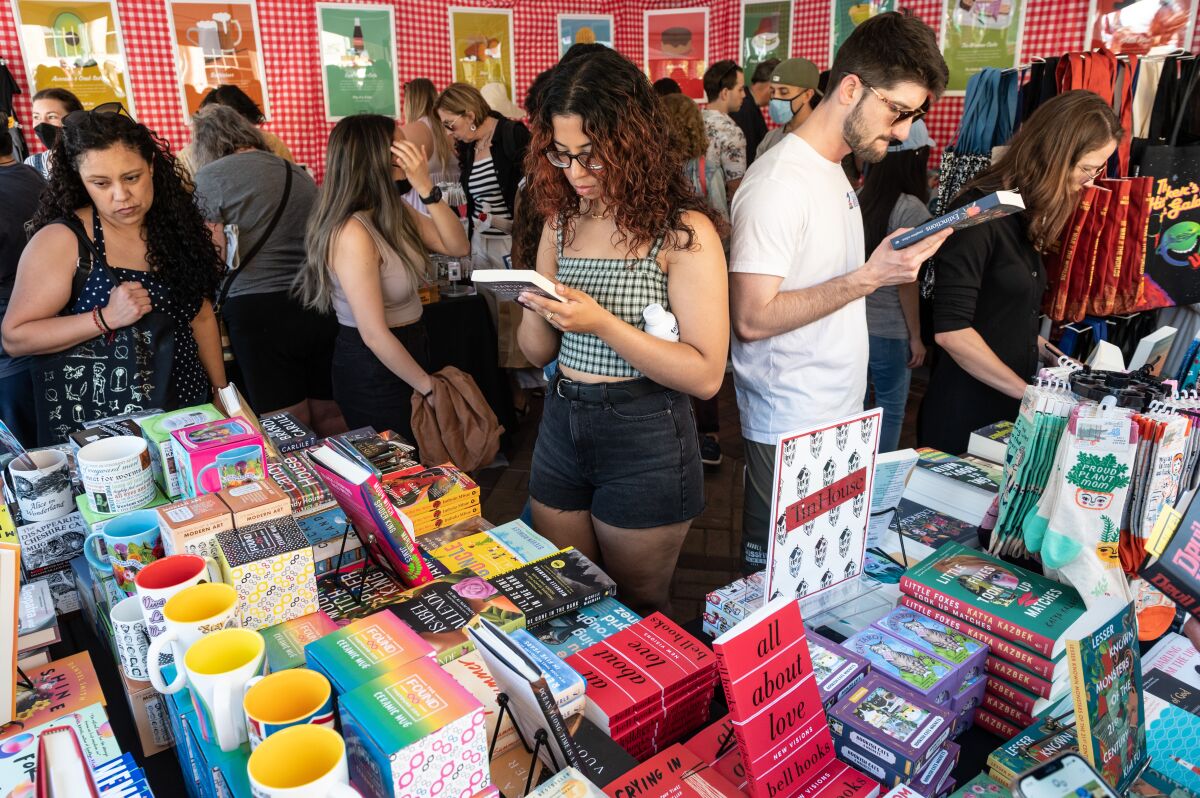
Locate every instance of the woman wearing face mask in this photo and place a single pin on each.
(616, 468)
(794, 93)
(491, 156)
(119, 181)
(366, 253)
(50, 107)
(989, 279)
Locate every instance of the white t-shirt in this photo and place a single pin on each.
(796, 216)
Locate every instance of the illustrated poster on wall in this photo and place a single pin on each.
(481, 45)
(584, 29)
(74, 46)
(766, 34)
(848, 15)
(821, 506)
(358, 46)
(1140, 27)
(676, 46)
(977, 34)
(217, 44)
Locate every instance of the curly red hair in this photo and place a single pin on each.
(642, 183)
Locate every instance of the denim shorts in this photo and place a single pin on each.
(633, 464)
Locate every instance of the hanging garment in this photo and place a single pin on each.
(1149, 71)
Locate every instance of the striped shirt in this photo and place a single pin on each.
(484, 187)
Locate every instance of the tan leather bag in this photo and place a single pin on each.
(454, 423)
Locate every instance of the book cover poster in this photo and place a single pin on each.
(821, 506)
(675, 46)
(766, 33)
(584, 29)
(977, 34)
(217, 44)
(74, 46)
(1140, 27)
(358, 46)
(848, 15)
(481, 46)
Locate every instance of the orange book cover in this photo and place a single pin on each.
(59, 688)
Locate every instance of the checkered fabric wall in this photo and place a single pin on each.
(289, 33)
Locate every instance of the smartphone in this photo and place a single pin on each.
(1067, 775)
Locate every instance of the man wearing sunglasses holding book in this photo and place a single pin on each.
(798, 273)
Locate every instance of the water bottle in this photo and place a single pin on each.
(660, 322)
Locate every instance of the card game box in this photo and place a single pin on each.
(837, 670)
(914, 668)
(890, 726)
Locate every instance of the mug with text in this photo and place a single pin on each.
(162, 579)
(116, 474)
(189, 615)
(130, 638)
(42, 485)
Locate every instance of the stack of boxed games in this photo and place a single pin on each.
(727, 606)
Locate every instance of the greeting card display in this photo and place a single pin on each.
(821, 505)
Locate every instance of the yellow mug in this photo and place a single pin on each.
(189, 615)
(301, 762)
(218, 667)
(286, 698)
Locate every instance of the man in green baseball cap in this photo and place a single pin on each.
(794, 93)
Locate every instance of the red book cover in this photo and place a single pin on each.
(997, 726)
(1000, 647)
(839, 780)
(717, 745)
(1005, 670)
(1023, 700)
(675, 772)
(998, 707)
(615, 689)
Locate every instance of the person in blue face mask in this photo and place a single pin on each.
(794, 92)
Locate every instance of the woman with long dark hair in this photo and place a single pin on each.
(895, 194)
(118, 179)
(616, 468)
(50, 108)
(366, 257)
(989, 279)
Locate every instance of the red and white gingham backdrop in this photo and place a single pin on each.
(293, 71)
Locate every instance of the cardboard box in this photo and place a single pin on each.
(191, 526)
(157, 432)
(365, 649)
(223, 773)
(95, 522)
(270, 564)
(218, 454)
(255, 502)
(286, 641)
(149, 710)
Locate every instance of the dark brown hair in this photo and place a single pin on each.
(888, 49)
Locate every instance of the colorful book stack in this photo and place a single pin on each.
(575, 631)
(440, 611)
(433, 497)
(470, 545)
(675, 772)
(293, 472)
(1045, 739)
(554, 586)
(1023, 618)
(365, 649)
(286, 432)
(648, 685)
(775, 706)
(726, 607)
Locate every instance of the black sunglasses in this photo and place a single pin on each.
(112, 108)
(902, 113)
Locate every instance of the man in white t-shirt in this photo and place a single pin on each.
(798, 271)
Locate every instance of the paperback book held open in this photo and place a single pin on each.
(984, 209)
(509, 283)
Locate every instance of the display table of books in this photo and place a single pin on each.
(277, 615)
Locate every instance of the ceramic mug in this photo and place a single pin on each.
(132, 541)
(234, 467)
(116, 474)
(162, 579)
(189, 615)
(301, 762)
(130, 638)
(218, 667)
(42, 485)
(286, 698)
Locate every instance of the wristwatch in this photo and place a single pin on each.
(434, 197)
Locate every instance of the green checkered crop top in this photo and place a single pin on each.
(623, 287)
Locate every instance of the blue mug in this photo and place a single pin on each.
(133, 541)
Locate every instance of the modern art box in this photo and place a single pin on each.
(413, 733)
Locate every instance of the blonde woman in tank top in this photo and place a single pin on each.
(616, 468)
(366, 253)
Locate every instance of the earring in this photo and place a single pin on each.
(472, 128)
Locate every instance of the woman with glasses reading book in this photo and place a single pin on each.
(989, 279)
(118, 180)
(366, 256)
(616, 468)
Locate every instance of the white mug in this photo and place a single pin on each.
(190, 614)
(130, 638)
(303, 761)
(43, 491)
(219, 666)
(116, 474)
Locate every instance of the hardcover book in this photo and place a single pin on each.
(921, 671)
(1106, 682)
(1042, 740)
(365, 649)
(993, 206)
(937, 639)
(440, 611)
(295, 475)
(575, 631)
(1019, 677)
(953, 485)
(286, 432)
(554, 586)
(1022, 699)
(1002, 709)
(931, 528)
(998, 597)
(821, 505)
(507, 284)
(890, 725)
(995, 725)
(991, 442)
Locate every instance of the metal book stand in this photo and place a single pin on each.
(541, 740)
